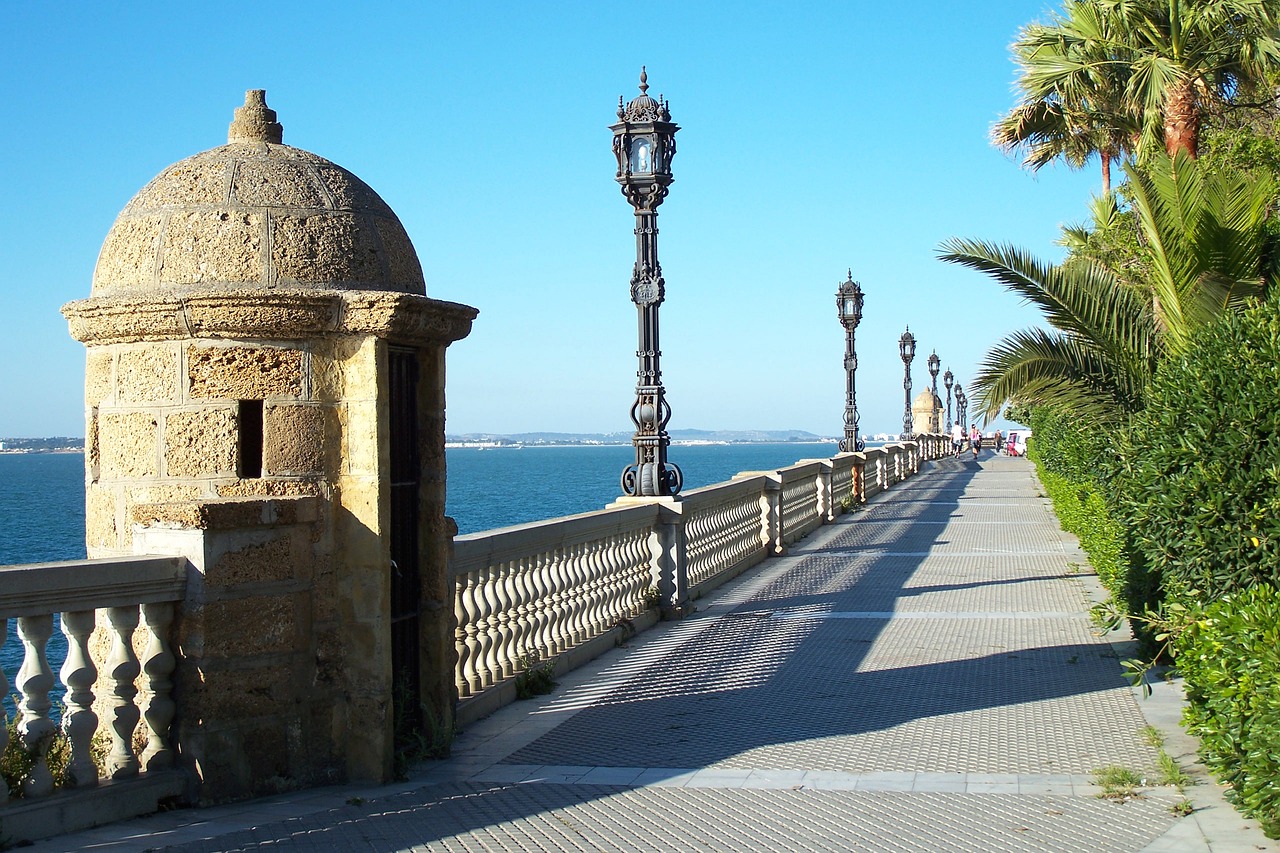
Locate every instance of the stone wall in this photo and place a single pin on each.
(262, 677)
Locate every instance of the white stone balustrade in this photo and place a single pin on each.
(31, 595)
(533, 591)
(544, 591)
(723, 526)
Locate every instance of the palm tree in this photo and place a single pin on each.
(1100, 354)
(1186, 55)
(1073, 95)
(1209, 248)
(1145, 71)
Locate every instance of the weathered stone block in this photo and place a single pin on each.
(128, 444)
(267, 181)
(293, 439)
(244, 373)
(128, 257)
(265, 487)
(147, 374)
(349, 192)
(402, 260)
(255, 625)
(263, 562)
(200, 443)
(362, 449)
(212, 246)
(199, 180)
(100, 530)
(97, 376)
(329, 248)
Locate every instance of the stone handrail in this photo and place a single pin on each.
(542, 592)
(116, 595)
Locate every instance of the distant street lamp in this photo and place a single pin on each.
(644, 143)
(849, 310)
(934, 364)
(962, 405)
(947, 379)
(907, 349)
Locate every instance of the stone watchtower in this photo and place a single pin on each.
(265, 396)
(926, 415)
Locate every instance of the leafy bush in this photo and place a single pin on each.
(16, 762)
(1229, 656)
(1200, 488)
(1068, 460)
(1083, 511)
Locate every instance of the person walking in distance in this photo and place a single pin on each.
(975, 440)
(957, 439)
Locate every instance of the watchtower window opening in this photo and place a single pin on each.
(250, 419)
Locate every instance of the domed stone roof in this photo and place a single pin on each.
(256, 214)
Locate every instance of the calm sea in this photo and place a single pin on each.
(42, 496)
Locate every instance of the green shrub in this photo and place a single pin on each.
(1083, 511)
(1200, 488)
(16, 762)
(1070, 461)
(1229, 656)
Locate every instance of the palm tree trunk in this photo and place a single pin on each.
(1182, 119)
(1106, 173)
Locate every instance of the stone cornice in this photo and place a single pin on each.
(403, 318)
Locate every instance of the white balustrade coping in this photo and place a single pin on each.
(742, 485)
(486, 548)
(802, 469)
(38, 589)
(846, 461)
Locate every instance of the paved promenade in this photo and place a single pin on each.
(919, 676)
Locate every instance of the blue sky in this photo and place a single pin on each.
(816, 137)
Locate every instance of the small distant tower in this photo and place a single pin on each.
(265, 395)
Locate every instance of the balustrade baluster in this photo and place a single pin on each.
(79, 722)
(522, 617)
(595, 589)
(460, 677)
(562, 607)
(504, 634)
(541, 591)
(4, 691)
(158, 666)
(123, 668)
(35, 679)
(613, 586)
(578, 579)
(474, 646)
(488, 625)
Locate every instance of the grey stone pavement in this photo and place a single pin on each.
(918, 676)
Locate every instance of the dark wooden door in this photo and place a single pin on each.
(405, 574)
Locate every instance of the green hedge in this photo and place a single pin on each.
(1229, 656)
(1082, 510)
(1069, 461)
(1200, 487)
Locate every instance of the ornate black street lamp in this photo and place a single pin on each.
(849, 310)
(644, 143)
(934, 364)
(947, 379)
(961, 404)
(907, 349)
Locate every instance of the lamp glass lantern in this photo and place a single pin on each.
(907, 346)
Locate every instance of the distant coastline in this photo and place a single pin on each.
(56, 444)
(680, 438)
